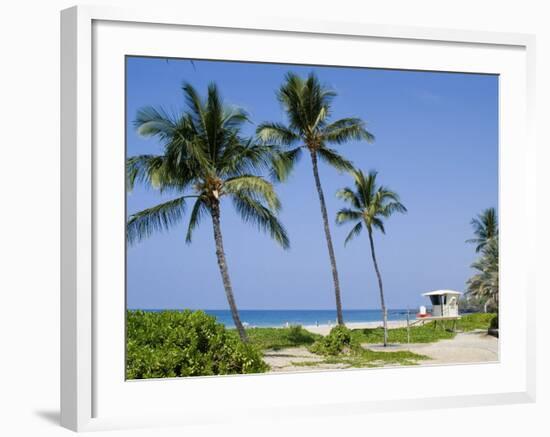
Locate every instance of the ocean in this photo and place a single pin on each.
(277, 318)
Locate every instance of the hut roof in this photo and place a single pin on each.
(441, 293)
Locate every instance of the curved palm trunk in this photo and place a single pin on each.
(329, 239)
(222, 264)
(382, 303)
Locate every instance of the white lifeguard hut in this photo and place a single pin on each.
(444, 307)
(444, 302)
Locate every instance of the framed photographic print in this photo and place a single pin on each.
(291, 218)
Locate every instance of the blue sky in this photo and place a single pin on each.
(436, 145)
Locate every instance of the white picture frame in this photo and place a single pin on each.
(91, 388)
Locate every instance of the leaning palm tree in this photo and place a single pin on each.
(485, 228)
(307, 105)
(484, 284)
(205, 158)
(370, 205)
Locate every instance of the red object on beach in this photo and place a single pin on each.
(421, 316)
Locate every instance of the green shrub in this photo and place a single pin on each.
(187, 343)
(494, 323)
(296, 334)
(338, 341)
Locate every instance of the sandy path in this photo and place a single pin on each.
(466, 347)
(281, 360)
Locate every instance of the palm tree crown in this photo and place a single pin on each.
(370, 204)
(206, 157)
(307, 105)
(485, 228)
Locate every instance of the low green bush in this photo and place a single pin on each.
(494, 322)
(338, 341)
(185, 343)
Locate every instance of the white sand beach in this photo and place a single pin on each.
(325, 329)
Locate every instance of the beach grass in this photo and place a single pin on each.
(471, 322)
(428, 333)
(280, 338)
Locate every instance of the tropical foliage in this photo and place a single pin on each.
(174, 343)
(484, 284)
(369, 204)
(307, 104)
(485, 228)
(338, 341)
(206, 159)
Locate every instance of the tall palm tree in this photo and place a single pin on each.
(206, 159)
(484, 284)
(370, 205)
(485, 228)
(307, 105)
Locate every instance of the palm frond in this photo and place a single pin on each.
(355, 231)
(485, 283)
(199, 209)
(334, 159)
(282, 163)
(152, 121)
(233, 118)
(391, 208)
(485, 228)
(291, 96)
(158, 218)
(252, 211)
(255, 187)
(143, 169)
(276, 133)
(348, 195)
(365, 185)
(346, 129)
(347, 215)
(245, 157)
(154, 171)
(378, 224)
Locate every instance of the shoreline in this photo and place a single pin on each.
(324, 328)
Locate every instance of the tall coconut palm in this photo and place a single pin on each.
(307, 105)
(206, 159)
(370, 205)
(485, 228)
(484, 284)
